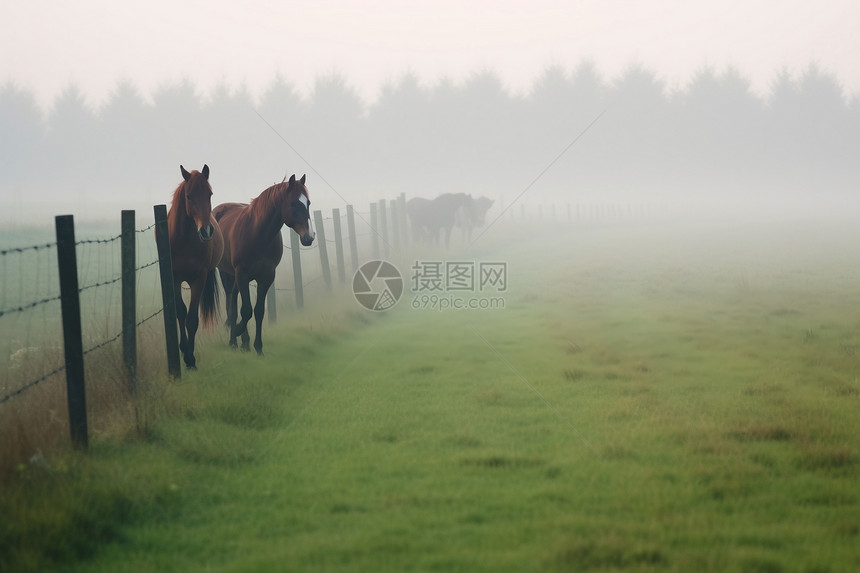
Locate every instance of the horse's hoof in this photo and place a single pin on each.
(259, 351)
(191, 367)
(246, 349)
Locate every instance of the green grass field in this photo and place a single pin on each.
(651, 398)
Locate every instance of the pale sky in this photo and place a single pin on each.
(47, 45)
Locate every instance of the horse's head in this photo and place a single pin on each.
(467, 211)
(198, 200)
(481, 206)
(296, 210)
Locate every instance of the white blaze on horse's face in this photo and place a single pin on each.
(198, 204)
(310, 235)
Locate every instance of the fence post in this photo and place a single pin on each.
(297, 269)
(129, 298)
(165, 269)
(404, 220)
(374, 233)
(326, 270)
(395, 226)
(73, 345)
(383, 226)
(338, 246)
(272, 305)
(353, 242)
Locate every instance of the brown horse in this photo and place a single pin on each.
(253, 247)
(196, 246)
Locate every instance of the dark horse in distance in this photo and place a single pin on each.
(430, 217)
(253, 247)
(474, 219)
(196, 246)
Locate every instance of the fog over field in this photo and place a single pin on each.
(665, 102)
(575, 137)
(645, 357)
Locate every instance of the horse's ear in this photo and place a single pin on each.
(185, 174)
(302, 180)
(205, 172)
(292, 178)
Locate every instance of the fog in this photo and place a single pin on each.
(576, 137)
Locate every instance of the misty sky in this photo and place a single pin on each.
(47, 45)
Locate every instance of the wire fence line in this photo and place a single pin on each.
(61, 368)
(101, 261)
(28, 306)
(5, 252)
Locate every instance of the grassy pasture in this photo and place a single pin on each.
(652, 398)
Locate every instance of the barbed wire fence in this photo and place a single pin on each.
(30, 316)
(30, 299)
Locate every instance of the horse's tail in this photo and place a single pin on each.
(210, 300)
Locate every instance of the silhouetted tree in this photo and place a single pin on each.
(126, 136)
(334, 131)
(399, 123)
(634, 139)
(178, 128)
(233, 145)
(73, 144)
(719, 131)
(560, 106)
(22, 134)
(282, 112)
(811, 140)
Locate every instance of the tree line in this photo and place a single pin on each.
(585, 135)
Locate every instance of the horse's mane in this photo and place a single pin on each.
(177, 194)
(270, 199)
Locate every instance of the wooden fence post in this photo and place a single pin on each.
(272, 305)
(404, 220)
(129, 298)
(353, 242)
(338, 246)
(72, 340)
(168, 296)
(383, 227)
(374, 232)
(297, 268)
(395, 226)
(323, 247)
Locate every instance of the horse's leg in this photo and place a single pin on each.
(263, 285)
(232, 305)
(448, 236)
(193, 321)
(241, 328)
(229, 283)
(181, 312)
